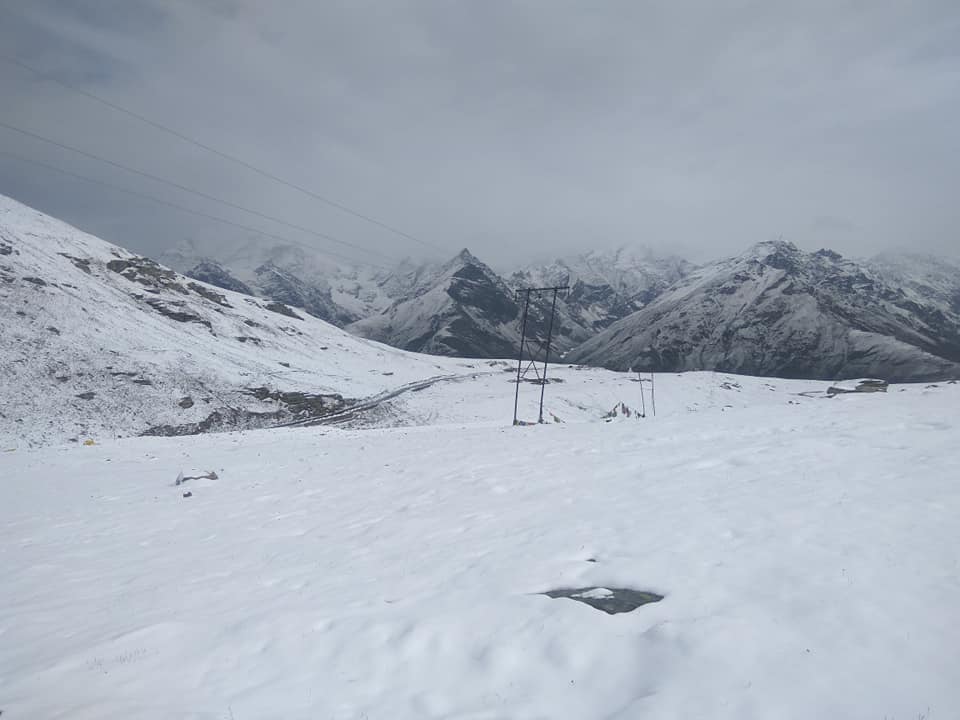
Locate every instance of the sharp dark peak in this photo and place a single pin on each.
(464, 259)
(465, 256)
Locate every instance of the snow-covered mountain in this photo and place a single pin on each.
(628, 271)
(924, 279)
(606, 285)
(776, 310)
(335, 291)
(411, 306)
(100, 341)
(463, 308)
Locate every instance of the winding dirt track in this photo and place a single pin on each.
(368, 403)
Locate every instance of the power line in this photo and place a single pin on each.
(182, 208)
(194, 191)
(226, 156)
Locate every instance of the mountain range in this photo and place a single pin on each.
(774, 310)
(460, 308)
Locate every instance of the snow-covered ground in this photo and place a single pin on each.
(806, 548)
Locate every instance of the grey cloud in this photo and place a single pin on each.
(520, 129)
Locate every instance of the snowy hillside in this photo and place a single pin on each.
(804, 549)
(778, 311)
(98, 342)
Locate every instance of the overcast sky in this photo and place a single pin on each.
(518, 129)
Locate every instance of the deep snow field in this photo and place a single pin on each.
(807, 549)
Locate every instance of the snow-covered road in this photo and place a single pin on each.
(808, 553)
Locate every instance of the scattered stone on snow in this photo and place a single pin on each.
(181, 478)
(179, 312)
(148, 273)
(209, 294)
(80, 263)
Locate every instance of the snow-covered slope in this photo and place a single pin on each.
(806, 553)
(778, 311)
(100, 342)
(465, 309)
(924, 279)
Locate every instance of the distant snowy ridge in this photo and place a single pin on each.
(392, 305)
(778, 311)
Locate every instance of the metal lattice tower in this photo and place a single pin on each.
(521, 371)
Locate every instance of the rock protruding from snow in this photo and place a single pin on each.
(213, 274)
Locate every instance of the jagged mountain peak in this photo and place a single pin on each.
(466, 256)
(781, 254)
(463, 259)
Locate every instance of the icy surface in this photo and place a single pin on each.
(806, 548)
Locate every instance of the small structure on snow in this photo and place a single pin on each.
(867, 385)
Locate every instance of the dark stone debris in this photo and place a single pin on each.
(282, 310)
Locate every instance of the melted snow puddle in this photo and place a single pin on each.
(610, 600)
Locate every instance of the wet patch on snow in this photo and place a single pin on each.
(610, 600)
